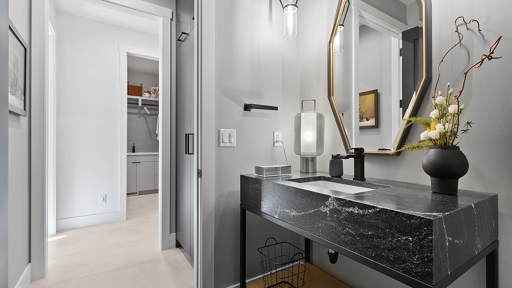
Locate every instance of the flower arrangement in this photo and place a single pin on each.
(443, 127)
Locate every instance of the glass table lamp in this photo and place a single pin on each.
(309, 137)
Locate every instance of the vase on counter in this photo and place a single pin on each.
(445, 165)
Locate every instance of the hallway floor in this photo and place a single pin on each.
(122, 254)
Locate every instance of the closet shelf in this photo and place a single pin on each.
(144, 99)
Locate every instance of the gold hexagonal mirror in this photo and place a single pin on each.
(379, 70)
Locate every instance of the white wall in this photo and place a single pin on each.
(19, 165)
(88, 118)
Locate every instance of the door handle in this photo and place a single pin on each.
(189, 144)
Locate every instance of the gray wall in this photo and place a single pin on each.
(375, 73)
(19, 165)
(141, 129)
(88, 120)
(4, 149)
(250, 68)
(489, 104)
(252, 64)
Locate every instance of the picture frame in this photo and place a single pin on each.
(18, 72)
(369, 109)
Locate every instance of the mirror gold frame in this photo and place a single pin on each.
(420, 90)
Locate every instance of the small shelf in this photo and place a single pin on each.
(142, 99)
(314, 278)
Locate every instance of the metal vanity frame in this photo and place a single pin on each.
(490, 253)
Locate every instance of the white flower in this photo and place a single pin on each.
(450, 92)
(453, 109)
(435, 114)
(448, 85)
(441, 100)
(447, 127)
(433, 134)
(424, 136)
(439, 93)
(440, 128)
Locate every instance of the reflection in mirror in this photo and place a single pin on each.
(391, 58)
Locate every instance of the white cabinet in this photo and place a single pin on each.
(141, 173)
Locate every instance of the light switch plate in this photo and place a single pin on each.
(227, 138)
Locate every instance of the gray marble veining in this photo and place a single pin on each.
(403, 226)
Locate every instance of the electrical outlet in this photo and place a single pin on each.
(278, 137)
(103, 198)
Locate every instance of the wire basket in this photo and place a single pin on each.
(283, 264)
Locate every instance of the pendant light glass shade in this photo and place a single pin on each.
(338, 40)
(309, 137)
(290, 9)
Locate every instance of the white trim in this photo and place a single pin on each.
(396, 88)
(38, 192)
(167, 143)
(376, 16)
(144, 6)
(87, 220)
(124, 52)
(25, 278)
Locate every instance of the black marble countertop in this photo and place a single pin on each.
(401, 225)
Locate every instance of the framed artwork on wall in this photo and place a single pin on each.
(18, 56)
(369, 109)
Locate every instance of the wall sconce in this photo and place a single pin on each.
(338, 47)
(309, 137)
(290, 18)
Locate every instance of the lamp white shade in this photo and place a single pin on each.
(309, 134)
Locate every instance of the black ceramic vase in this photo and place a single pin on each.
(445, 165)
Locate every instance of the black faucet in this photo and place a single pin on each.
(358, 156)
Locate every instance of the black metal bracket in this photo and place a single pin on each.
(184, 35)
(249, 107)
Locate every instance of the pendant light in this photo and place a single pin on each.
(290, 9)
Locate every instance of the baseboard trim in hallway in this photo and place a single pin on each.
(25, 278)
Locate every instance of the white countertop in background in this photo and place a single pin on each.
(142, 153)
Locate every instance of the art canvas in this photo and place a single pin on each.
(369, 109)
(17, 74)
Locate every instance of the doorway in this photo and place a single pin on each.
(167, 147)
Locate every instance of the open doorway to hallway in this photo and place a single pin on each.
(91, 188)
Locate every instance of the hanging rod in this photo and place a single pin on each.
(143, 105)
(249, 107)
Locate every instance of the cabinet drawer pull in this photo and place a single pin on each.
(136, 162)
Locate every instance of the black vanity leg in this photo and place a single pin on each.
(307, 247)
(243, 251)
(491, 267)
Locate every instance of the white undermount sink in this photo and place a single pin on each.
(345, 188)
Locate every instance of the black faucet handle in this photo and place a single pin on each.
(335, 156)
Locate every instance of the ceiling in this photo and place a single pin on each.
(110, 13)
(142, 65)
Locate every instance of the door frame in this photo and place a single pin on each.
(38, 161)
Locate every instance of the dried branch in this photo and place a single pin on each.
(489, 56)
(461, 38)
(478, 64)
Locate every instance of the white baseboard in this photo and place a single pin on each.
(25, 278)
(88, 220)
(172, 241)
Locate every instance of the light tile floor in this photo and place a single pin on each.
(122, 254)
